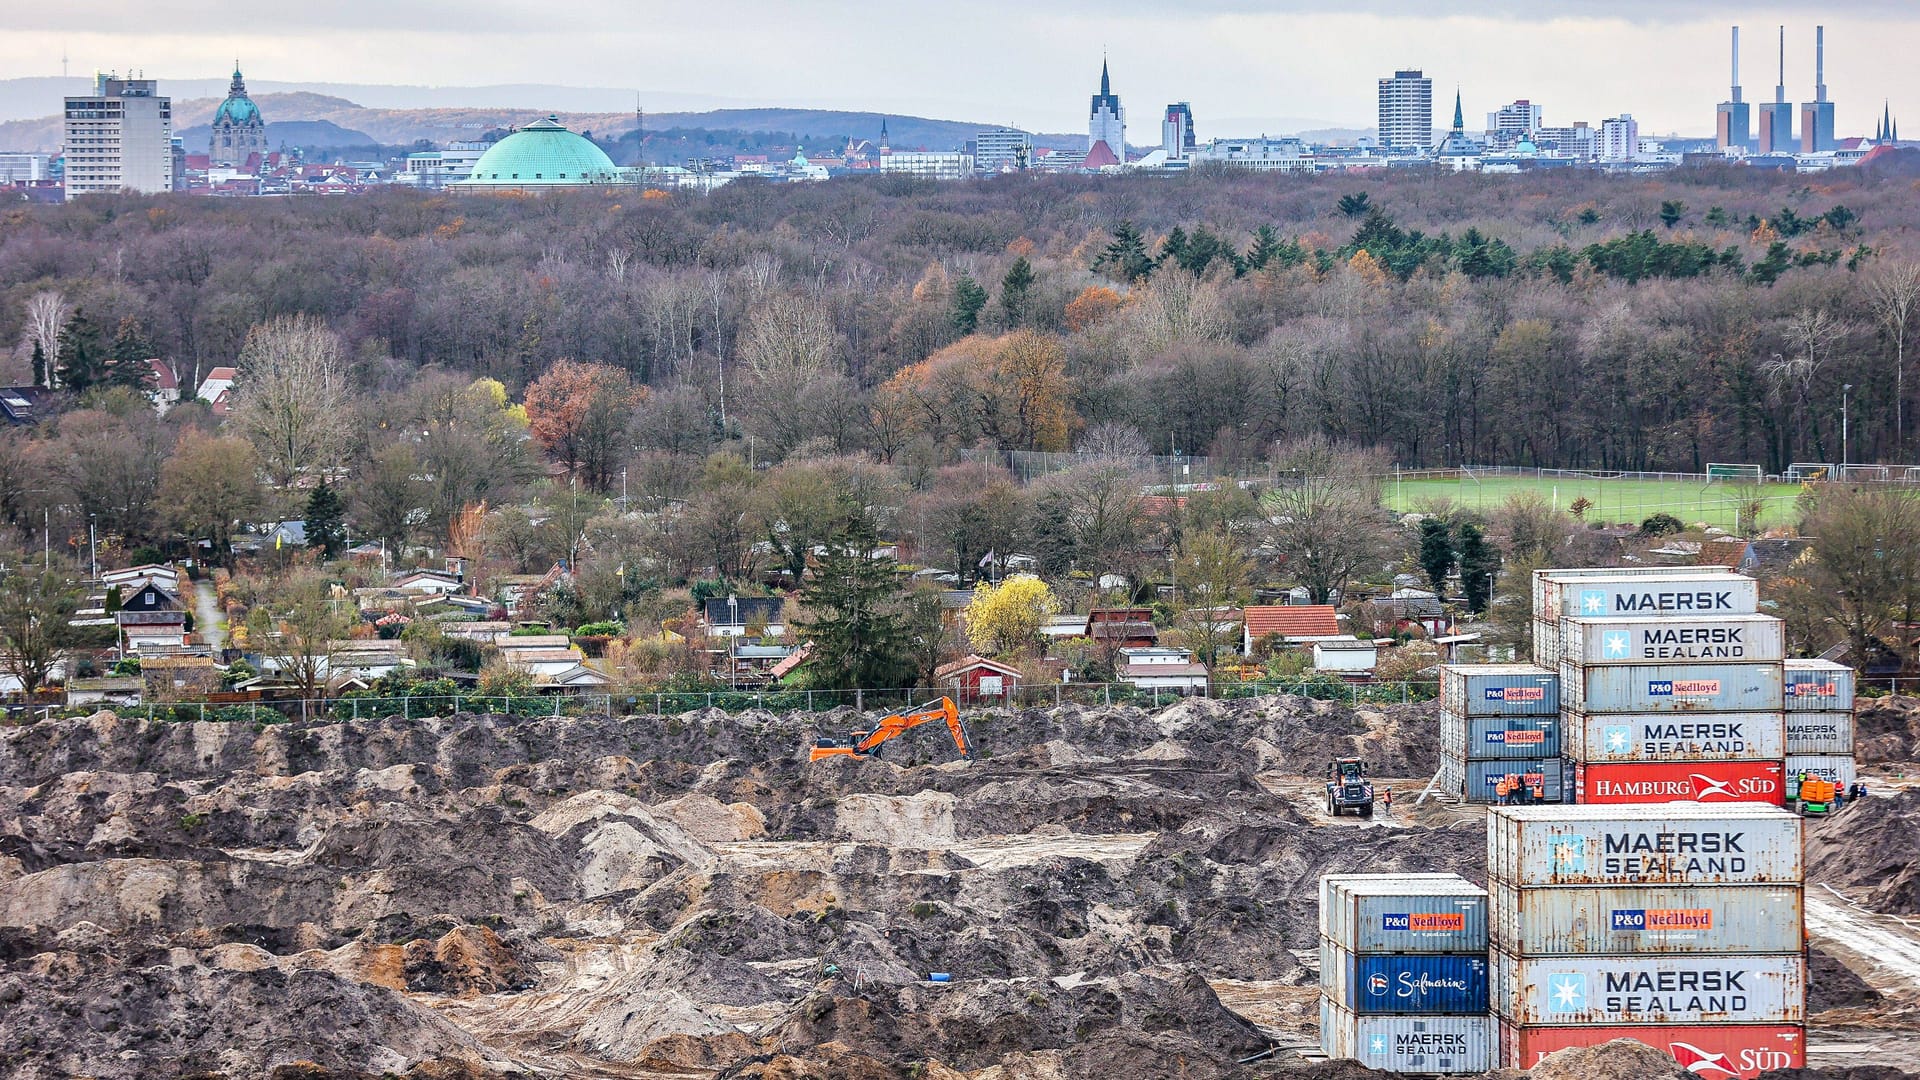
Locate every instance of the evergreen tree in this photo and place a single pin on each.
(326, 520)
(82, 359)
(1436, 553)
(1266, 246)
(1174, 248)
(1126, 257)
(969, 299)
(858, 633)
(39, 365)
(1479, 562)
(1016, 291)
(128, 356)
(1354, 205)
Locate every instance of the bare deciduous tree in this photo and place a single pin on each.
(1894, 292)
(291, 398)
(47, 313)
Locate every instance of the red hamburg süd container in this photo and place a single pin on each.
(1722, 1051)
(1682, 781)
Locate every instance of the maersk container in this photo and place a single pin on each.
(1819, 686)
(1710, 639)
(1819, 733)
(1598, 738)
(1546, 643)
(1669, 988)
(1425, 1045)
(1364, 883)
(1719, 1051)
(1499, 690)
(1542, 579)
(1716, 782)
(1638, 596)
(1555, 920)
(1404, 983)
(1387, 914)
(1837, 768)
(1490, 738)
(1673, 844)
(1644, 688)
(1480, 780)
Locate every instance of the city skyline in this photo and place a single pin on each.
(1030, 68)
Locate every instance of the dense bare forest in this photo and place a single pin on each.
(1566, 318)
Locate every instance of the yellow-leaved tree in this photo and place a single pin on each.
(1005, 619)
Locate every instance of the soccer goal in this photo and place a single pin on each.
(1734, 474)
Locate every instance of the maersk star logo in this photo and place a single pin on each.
(1570, 854)
(1593, 602)
(1377, 1045)
(1617, 739)
(1616, 644)
(1566, 992)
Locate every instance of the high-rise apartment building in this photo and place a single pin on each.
(1619, 138)
(1733, 120)
(1816, 116)
(1002, 150)
(119, 138)
(1776, 116)
(1107, 121)
(1176, 132)
(1406, 111)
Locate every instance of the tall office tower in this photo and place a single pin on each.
(119, 138)
(1176, 131)
(1002, 150)
(1620, 138)
(1816, 116)
(1406, 111)
(1733, 127)
(1776, 116)
(1107, 122)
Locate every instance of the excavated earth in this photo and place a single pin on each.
(1107, 892)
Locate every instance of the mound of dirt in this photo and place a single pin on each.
(1887, 730)
(1872, 846)
(1621, 1059)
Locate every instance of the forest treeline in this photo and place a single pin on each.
(1562, 319)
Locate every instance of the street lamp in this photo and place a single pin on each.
(1845, 389)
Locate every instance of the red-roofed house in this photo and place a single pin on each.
(217, 389)
(164, 386)
(1294, 624)
(972, 678)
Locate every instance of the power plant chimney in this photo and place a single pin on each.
(1819, 63)
(1780, 88)
(1736, 63)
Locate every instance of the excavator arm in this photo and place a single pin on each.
(897, 725)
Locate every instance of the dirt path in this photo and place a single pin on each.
(206, 615)
(1882, 949)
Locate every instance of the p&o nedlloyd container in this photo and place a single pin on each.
(1499, 690)
(1714, 639)
(1490, 738)
(1637, 596)
(1410, 1044)
(1672, 844)
(1818, 733)
(1408, 983)
(1819, 686)
(1384, 913)
(1558, 920)
(1645, 688)
(1668, 988)
(1479, 781)
(1598, 738)
(1720, 1051)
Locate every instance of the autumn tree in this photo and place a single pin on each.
(209, 485)
(291, 399)
(1325, 520)
(35, 610)
(579, 413)
(294, 628)
(1866, 560)
(387, 497)
(1006, 619)
(1210, 575)
(1091, 306)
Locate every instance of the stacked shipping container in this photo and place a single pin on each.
(1500, 722)
(1403, 972)
(1680, 926)
(1819, 727)
(1672, 685)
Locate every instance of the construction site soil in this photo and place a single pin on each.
(1104, 892)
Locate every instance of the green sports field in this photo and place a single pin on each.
(1691, 500)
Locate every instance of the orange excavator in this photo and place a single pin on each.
(867, 743)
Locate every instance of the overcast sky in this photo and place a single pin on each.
(1246, 66)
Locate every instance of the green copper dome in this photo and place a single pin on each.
(542, 154)
(238, 110)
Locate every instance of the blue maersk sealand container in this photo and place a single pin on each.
(1409, 983)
